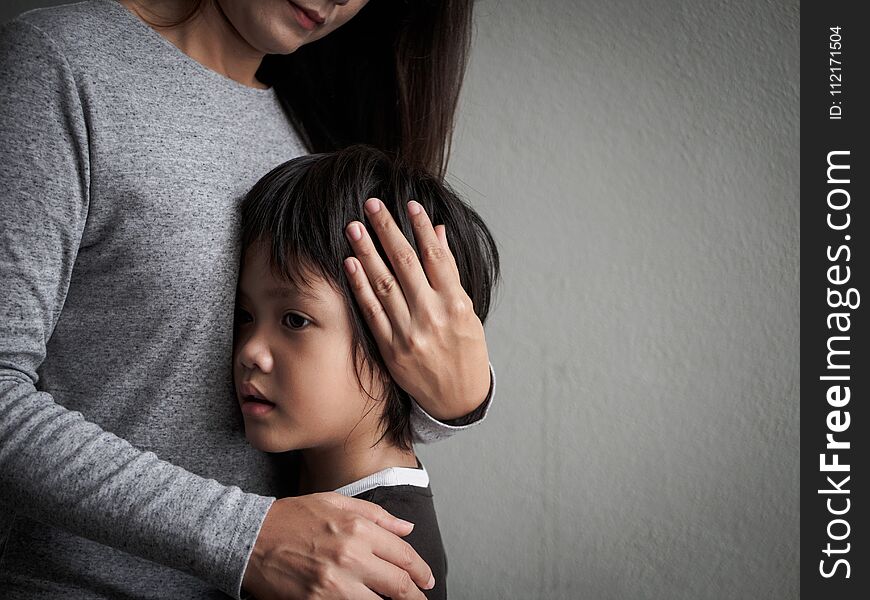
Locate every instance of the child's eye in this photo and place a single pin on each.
(242, 316)
(294, 321)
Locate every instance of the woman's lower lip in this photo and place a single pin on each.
(257, 409)
(304, 20)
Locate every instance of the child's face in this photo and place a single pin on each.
(293, 348)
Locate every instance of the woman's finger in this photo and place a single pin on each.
(438, 261)
(386, 287)
(374, 513)
(364, 593)
(399, 571)
(441, 232)
(403, 571)
(391, 581)
(372, 309)
(399, 250)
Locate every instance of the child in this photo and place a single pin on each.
(307, 370)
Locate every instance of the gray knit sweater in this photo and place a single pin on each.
(124, 471)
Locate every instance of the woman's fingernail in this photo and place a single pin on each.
(373, 205)
(407, 524)
(414, 207)
(354, 232)
(350, 265)
(431, 583)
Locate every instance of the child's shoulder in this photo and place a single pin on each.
(405, 493)
(408, 499)
(414, 503)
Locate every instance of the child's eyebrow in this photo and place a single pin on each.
(286, 291)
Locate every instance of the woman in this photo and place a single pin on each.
(125, 147)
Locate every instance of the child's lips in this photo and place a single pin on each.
(253, 401)
(256, 406)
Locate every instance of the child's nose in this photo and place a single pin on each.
(255, 354)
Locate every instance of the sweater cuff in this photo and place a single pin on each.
(239, 553)
(428, 428)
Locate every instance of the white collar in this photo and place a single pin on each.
(387, 478)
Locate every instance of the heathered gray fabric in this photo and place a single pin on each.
(121, 165)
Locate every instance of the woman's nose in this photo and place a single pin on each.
(254, 353)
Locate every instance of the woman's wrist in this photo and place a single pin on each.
(467, 402)
(478, 413)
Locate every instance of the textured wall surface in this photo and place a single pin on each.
(638, 164)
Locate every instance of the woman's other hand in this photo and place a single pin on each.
(330, 546)
(424, 322)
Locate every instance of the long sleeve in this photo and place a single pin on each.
(55, 466)
(427, 429)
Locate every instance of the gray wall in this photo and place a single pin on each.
(638, 163)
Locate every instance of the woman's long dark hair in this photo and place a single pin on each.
(390, 77)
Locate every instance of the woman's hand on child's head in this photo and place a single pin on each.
(330, 546)
(427, 332)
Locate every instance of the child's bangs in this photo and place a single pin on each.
(299, 268)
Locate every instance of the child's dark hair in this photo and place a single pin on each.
(300, 210)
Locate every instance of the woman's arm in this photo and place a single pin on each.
(431, 340)
(55, 466)
(58, 468)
